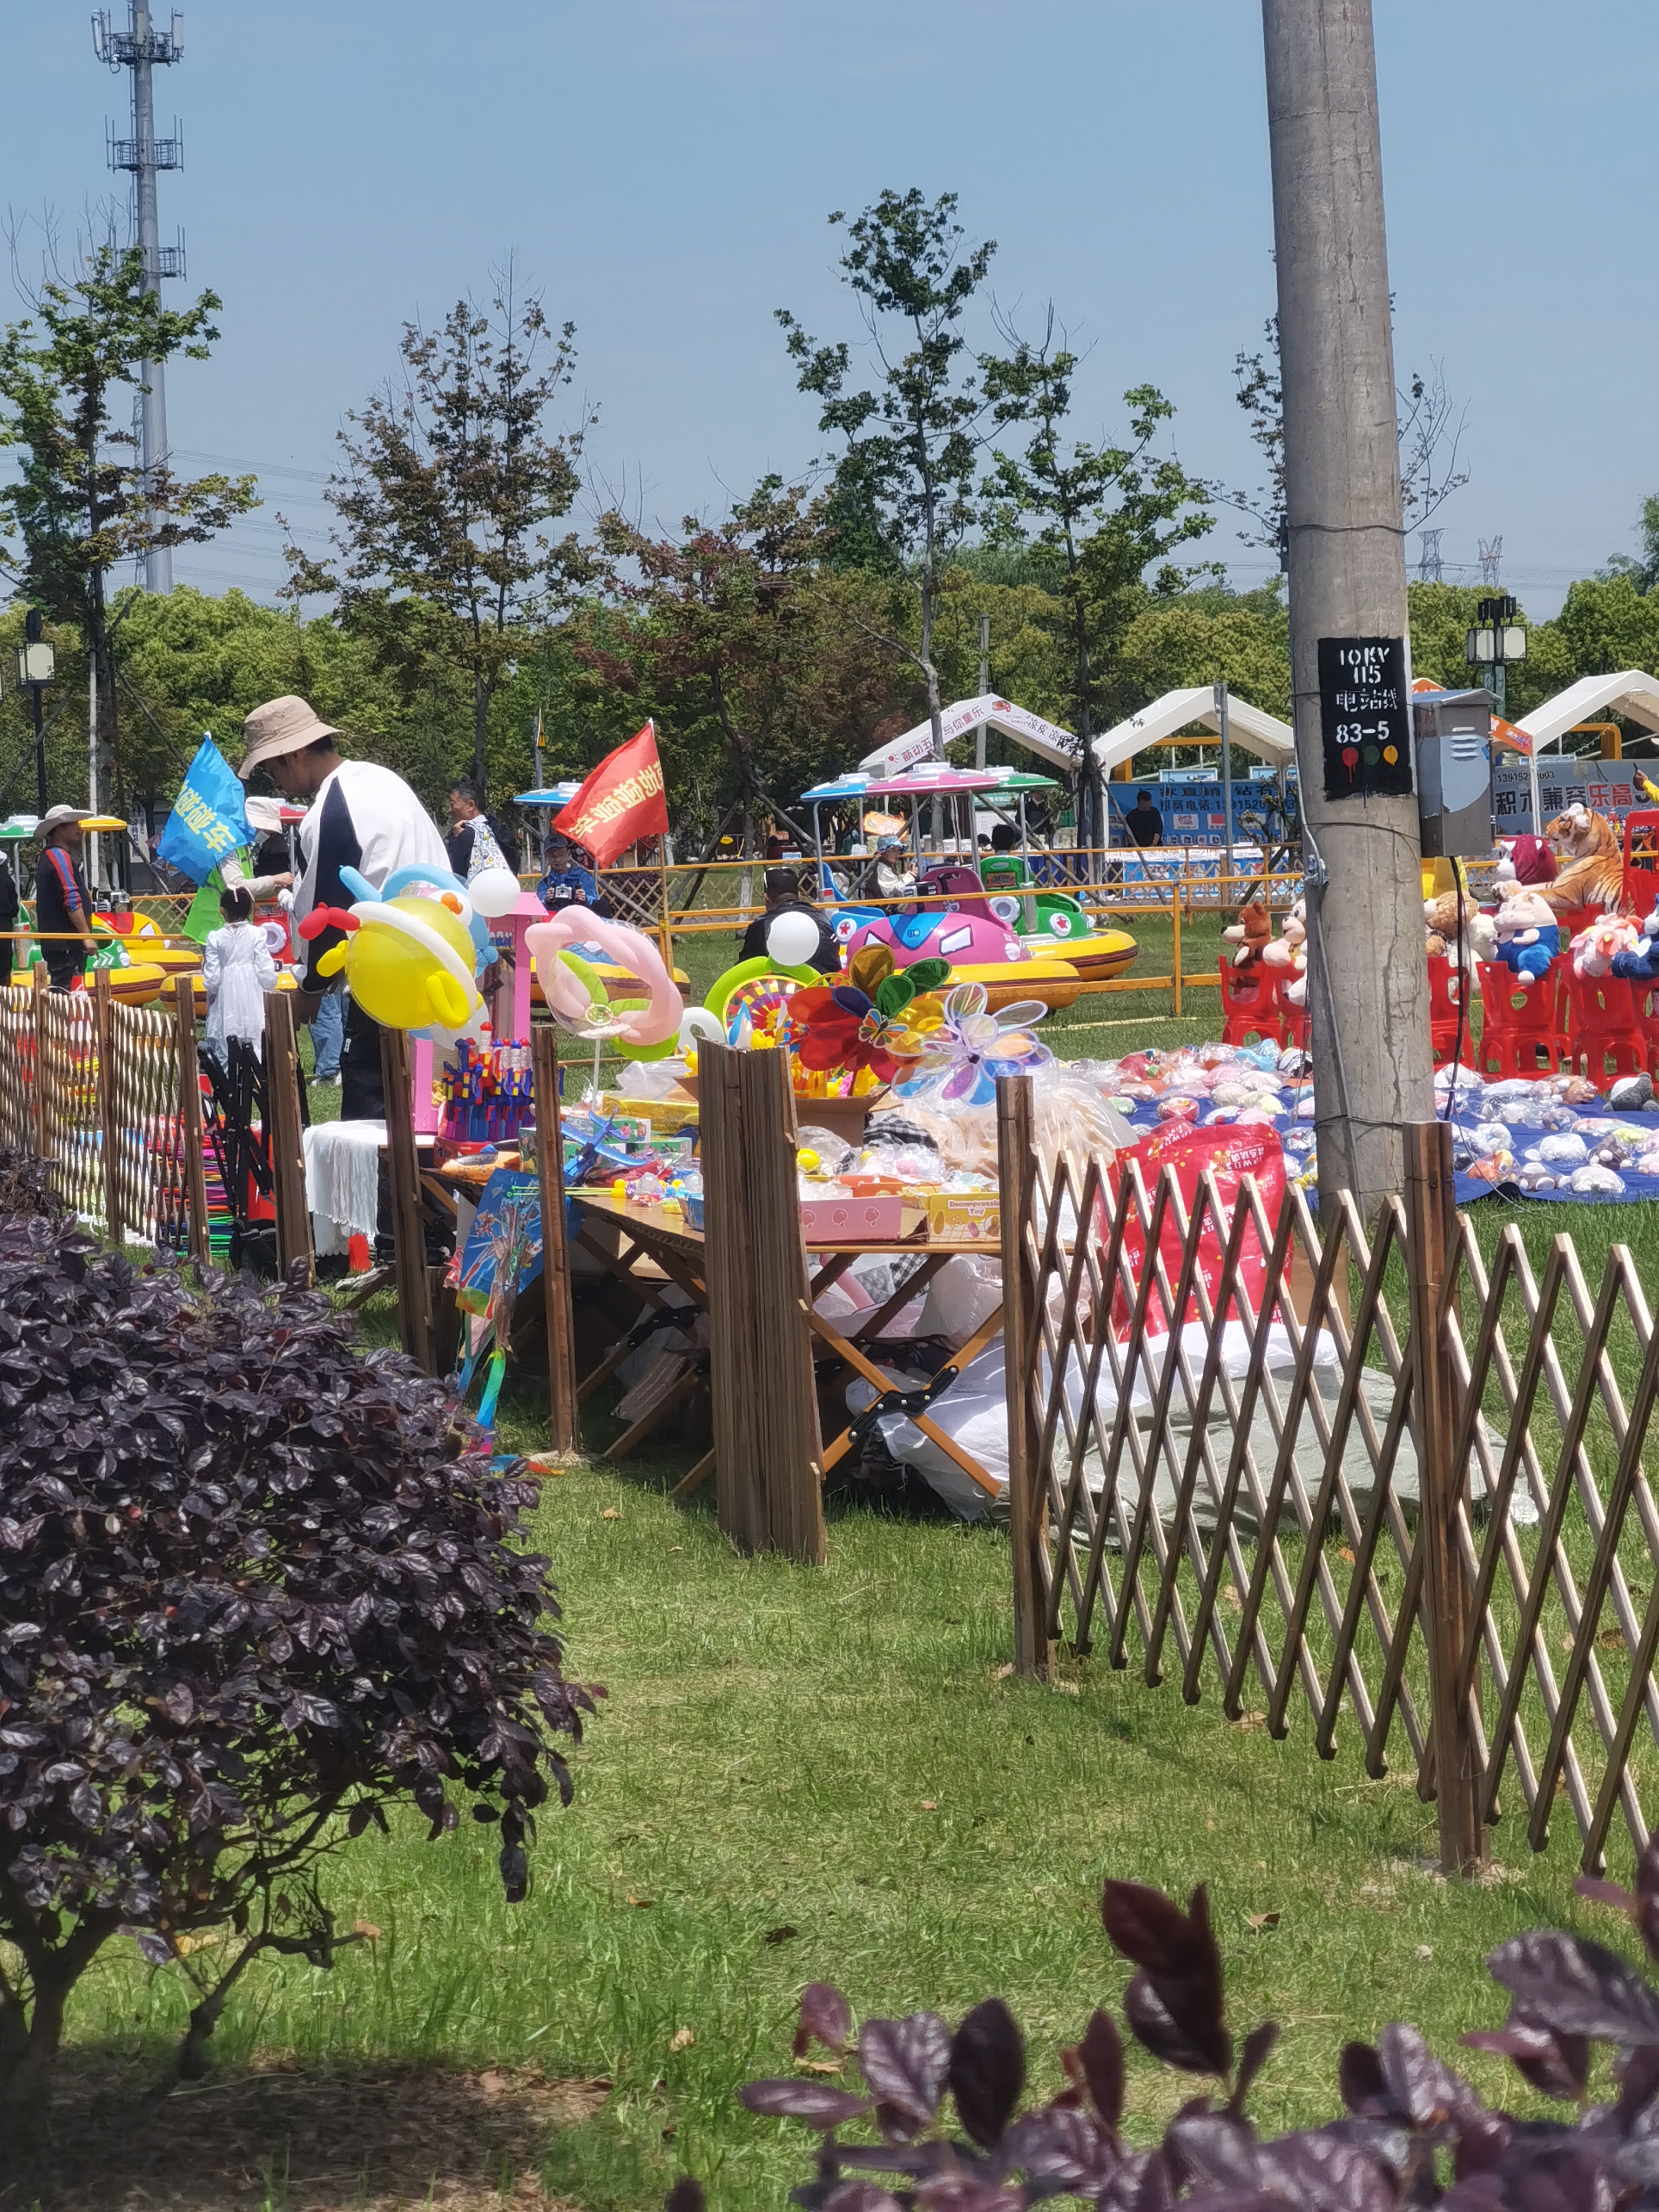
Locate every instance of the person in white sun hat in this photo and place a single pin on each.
(360, 816)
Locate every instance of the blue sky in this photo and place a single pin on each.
(663, 169)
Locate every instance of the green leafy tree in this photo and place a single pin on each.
(1642, 573)
(1103, 515)
(903, 493)
(444, 567)
(761, 665)
(78, 502)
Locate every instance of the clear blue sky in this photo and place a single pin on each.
(664, 168)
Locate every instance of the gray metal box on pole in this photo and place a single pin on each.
(1453, 738)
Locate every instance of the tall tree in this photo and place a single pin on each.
(448, 479)
(1430, 422)
(79, 502)
(1103, 514)
(1644, 572)
(760, 660)
(910, 444)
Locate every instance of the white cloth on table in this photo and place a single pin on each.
(237, 970)
(342, 1181)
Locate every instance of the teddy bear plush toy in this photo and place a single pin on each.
(1290, 950)
(1528, 935)
(1250, 935)
(1478, 939)
(1638, 962)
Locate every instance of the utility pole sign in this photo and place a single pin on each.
(1364, 717)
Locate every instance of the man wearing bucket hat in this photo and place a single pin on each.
(360, 816)
(63, 904)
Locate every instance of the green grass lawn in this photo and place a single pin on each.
(803, 1775)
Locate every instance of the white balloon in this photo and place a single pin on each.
(698, 1023)
(792, 940)
(492, 892)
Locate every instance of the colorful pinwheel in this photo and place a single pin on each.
(964, 1056)
(876, 1019)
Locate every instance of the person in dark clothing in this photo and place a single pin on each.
(11, 906)
(1143, 824)
(63, 904)
(783, 896)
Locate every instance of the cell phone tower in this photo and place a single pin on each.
(139, 48)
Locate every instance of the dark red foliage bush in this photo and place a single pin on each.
(248, 1597)
(1415, 2132)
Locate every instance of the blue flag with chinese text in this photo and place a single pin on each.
(209, 820)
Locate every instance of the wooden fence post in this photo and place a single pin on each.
(1017, 1175)
(191, 1137)
(287, 1156)
(767, 1450)
(402, 1167)
(555, 1254)
(1428, 1222)
(109, 1122)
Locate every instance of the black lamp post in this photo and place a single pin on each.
(36, 667)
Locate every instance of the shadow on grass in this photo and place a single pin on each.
(387, 2135)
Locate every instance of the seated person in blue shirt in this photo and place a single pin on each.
(566, 882)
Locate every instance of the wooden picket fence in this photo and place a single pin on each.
(1374, 1474)
(108, 1094)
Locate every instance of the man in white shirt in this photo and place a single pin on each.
(362, 817)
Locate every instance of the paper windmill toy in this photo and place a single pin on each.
(964, 1056)
(878, 1019)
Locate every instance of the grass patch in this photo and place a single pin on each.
(801, 1776)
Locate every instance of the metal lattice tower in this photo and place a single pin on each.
(1428, 566)
(1492, 564)
(139, 48)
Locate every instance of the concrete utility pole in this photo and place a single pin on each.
(140, 48)
(1369, 987)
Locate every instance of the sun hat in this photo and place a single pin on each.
(56, 817)
(287, 725)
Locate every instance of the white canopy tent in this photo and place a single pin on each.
(1047, 739)
(1262, 734)
(1631, 692)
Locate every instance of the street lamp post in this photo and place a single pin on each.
(36, 667)
(1497, 639)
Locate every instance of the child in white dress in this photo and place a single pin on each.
(237, 970)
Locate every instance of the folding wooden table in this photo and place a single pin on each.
(643, 1248)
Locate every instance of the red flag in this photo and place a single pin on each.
(621, 802)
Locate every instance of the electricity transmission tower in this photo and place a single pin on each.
(1428, 566)
(140, 48)
(1492, 564)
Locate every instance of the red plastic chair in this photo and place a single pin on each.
(1517, 1026)
(1445, 988)
(1604, 1024)
(1292, 1019)
(1249, 1005)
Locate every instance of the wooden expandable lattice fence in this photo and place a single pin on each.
(1376, 1472)
(17, 1125)
(108, 1093)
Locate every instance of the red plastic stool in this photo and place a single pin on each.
(1645, 999)
(1517, 1025)
(1292, 1018)
(1604, 1024)
(1250, 1006)
(1445, 1017)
